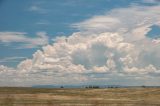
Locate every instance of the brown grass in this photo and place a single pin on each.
(82, 97)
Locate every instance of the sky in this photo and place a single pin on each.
(79, 42)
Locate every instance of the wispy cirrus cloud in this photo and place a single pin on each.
(122, 20)
(21, 37)
(11, 59)
(37, 9)
(43, 22)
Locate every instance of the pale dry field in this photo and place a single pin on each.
(79, 97)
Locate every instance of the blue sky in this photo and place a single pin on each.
(32, 33)
(53, 17)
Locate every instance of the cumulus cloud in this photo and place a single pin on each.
(111, 47)
(26, 42)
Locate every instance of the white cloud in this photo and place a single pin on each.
(21, 37)
(110, 47)
(133, 21)
(98, 22)
(37, 9)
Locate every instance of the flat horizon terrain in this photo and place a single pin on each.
(19, 96)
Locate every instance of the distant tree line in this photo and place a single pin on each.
(95, 86)
(90, 86)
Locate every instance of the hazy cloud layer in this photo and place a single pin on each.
(151, 1)
(109, 49)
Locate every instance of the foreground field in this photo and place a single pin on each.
(82, 97)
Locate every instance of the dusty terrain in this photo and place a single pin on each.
(79, 97)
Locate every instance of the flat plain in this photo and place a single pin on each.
(22, 96)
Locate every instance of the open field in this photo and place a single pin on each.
(79, 97)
